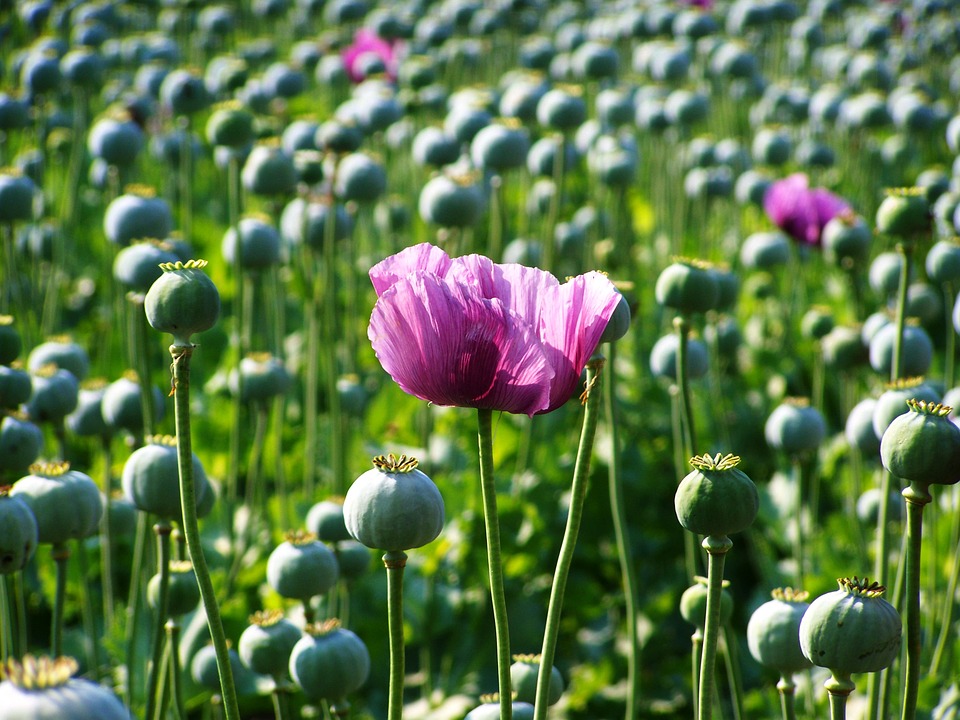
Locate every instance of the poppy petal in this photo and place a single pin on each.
(423, 257)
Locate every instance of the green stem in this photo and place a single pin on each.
(134, 605)
(494, 563)
(60, 555)
(106, 546)
(191, 530)
(798, 482)
(176, 687)
(905, 249)
(787, 690)
(621, 532)
(682, 327)
(717, 547)
(917, 496)
(696, 652)
(395, 562)
(332, 335)
(946, 621)
(20, 602)
(838, 689)
(86, 611)
(143, 364)
(162, 530)
(578, 494)
(6, 622)
(733, 670)
(950, 336)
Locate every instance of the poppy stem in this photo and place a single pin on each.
(494, 563)
(717, 547)
(191, 529)
(578, 493)
(917, 496)
(395, 562)
(162, 530)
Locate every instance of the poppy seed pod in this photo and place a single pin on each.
(851, 630)
(923, 445)
(394, 507)
(693, 603)
(20, 444)
(18, 532)
(795, 427)
(11, 344)
(329, 662)
(301, 567)
(772, 632)
(266, 644)
(150, 479)
(137, 214)
(523, 679)
(66, 503)
(490, 709)
(182, 301)
(716, 498)
(687, 286)
(45, 688)
(904, 212)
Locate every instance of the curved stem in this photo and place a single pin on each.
(491, 523)
(162, 530)
(946, 621)
(578, 494)
(917, 495)
(717, 548)
(191, 529)
(622, 534)
(395, 562)
(60, 555)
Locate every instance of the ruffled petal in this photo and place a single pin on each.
(574, 317)
(444, 344)
(423, 257)
(828, 205)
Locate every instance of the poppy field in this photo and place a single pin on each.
(460, 360)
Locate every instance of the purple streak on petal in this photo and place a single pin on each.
(423, 257)
(574, 318)
(442, 343)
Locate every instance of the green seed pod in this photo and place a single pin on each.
(772, 632)
(393, 507)
(716, 498)
(151, 479)
(266, 644)
(203, 669)
(10, 342)
(65, 502)
(301, 567)
(851, 630)
(329, 662)
(904, 212)
(693, 603)
(353, 558)
(795, 427)
(16, 386)
(262, 378)
(18, 532)
(230, 124)
(325, 520)
(183, 590)
(182, 301)
(687, 286)
(523, 680)
(44, 689)
(892, 402)
(490, 709)
(923, 445)
(846, 240)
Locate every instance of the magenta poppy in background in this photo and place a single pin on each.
(705, 4)
(472, 333)
(800, 211)
(366, 42)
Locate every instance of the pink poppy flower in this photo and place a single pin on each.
(367, 42)
(800, 211)
(473, 333)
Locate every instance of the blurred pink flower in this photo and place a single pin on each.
(705, 4)
(472, 333)
(367, 42)
(800, 211)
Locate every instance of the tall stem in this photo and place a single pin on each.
(917, 496)
(946, 621)
(686, 405)
(6, 622)
(61, 554)
(578, 494)
(395, 562)
(181, 382)
(717, 547)
(162, 530)
(176, 688)
(622, 534)
(491, 522)
(905, 249)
